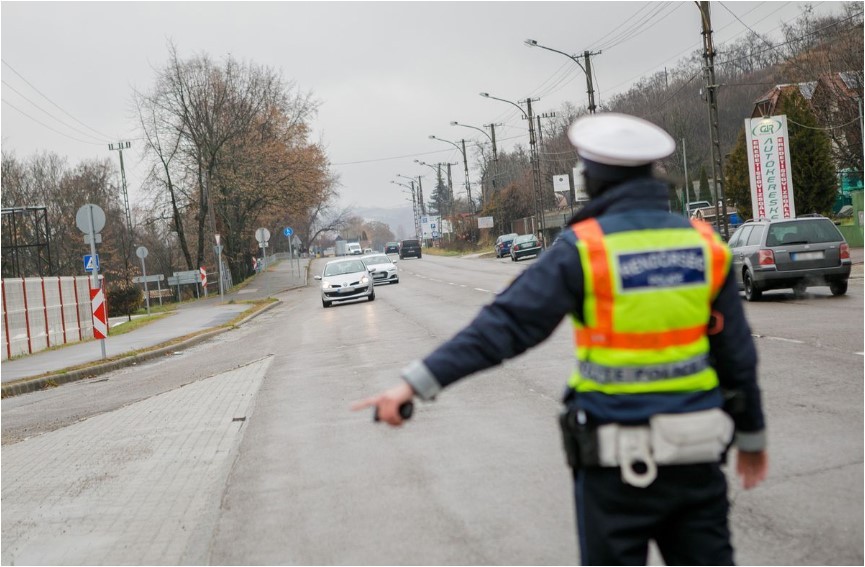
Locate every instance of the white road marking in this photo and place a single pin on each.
(481, 289)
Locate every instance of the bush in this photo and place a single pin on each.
(123, 299)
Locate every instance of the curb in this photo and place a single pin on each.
(35, 383)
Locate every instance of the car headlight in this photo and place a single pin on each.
(325, 285)
(364, 280)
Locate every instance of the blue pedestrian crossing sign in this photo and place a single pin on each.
(91, 262)
(287, 231)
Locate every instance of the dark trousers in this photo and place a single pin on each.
(684, 510)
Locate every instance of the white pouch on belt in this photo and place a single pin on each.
(689, 438)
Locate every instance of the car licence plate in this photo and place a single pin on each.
(346, 289)
(799, 256)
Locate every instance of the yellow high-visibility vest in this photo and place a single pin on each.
(646, 310)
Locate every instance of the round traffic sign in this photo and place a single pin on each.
(288, 231)
(141, 252)
(84, 214)
(262, 235)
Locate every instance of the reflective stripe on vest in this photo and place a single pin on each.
(646, 308)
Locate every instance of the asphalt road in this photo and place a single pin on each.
(243, 449)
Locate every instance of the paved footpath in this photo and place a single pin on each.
(132, 485)
(189, 318)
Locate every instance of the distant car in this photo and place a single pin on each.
(502, 247)
(409, 247)
(694, 205)
(354, 249)
(391, 248)
(790, 253)
(344, 279)
(385, 269)
(525, 245)
(367, 251)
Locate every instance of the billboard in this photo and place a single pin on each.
(767, 146)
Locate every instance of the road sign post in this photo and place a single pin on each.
(141, 252)
(288, 232)
(90, 219)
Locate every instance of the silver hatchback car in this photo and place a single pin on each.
(790, 253)
(345, 279)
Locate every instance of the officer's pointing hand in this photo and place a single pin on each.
(387, 403)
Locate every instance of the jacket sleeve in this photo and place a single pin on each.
(734, 357)
(520, 317)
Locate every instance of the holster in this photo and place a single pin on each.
(580, 441)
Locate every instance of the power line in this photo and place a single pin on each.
(46, 112)
(50, 128)
(52, 102)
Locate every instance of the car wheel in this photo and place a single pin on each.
(372, 296)
(325, 304)
(799, 289)
(838, 287)
(752, 292)
(396, 281)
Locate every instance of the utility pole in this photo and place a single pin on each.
(468, 184)
(711, 91)
(420, 195)
(492, 127)
(686, 197)
(589, 87)
(536, 170)
(120, 146)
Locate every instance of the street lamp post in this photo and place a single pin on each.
(465, 165)
(536, 169)
(587, 69)
(415, 210)
(437, 168)
(492, 140)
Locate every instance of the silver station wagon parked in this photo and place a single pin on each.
(790, 253)
(345, 279)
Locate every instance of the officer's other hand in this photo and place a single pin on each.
(752, 468)
(387, 403)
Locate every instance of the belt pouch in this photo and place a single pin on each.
(689, 438)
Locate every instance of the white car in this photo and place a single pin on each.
(345, 279)
(384, 268)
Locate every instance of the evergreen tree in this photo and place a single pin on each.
(737, 178)
(705, 193)
(812, 169)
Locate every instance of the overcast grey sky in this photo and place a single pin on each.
(387, 74)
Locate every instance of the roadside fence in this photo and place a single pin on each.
(39, 313)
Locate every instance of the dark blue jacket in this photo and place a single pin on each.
(531, 308)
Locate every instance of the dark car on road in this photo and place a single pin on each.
(525, 245)
(790, 253)
(410, 247)
(503, 244)
(391, 248)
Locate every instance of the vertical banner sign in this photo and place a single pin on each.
(769, 167)
(100, 321)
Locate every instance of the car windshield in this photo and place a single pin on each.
(802, 232)
(340, 268)
(373, 260)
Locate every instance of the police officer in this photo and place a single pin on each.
(665, 372)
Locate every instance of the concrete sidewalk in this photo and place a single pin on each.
(198, 320)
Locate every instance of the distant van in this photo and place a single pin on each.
(354, 248)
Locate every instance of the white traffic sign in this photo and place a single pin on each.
(141, 252)
(83, 216)
(262, 235)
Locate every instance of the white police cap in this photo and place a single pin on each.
(619, 139)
